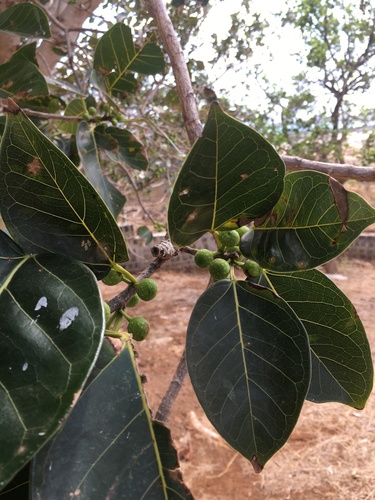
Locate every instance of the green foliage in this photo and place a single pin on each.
(25, 19)
(205, 198)
(119, 451)
(257, 347)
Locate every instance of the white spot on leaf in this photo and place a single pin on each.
(67, 318)
(42, 302)
(25, 367)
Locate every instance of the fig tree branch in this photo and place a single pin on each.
(172, 45)
(337, 170)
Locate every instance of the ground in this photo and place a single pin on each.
(331, 452)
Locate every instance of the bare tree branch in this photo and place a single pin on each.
(172, 45)
(337, 170)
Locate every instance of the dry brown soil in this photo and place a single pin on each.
(331, 452)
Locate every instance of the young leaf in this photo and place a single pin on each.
(25, 19)
(116, 56)
(342, 368)
(90, 161)
(48, 205)
(108, 447)
(232, 175)
(249, 362)
(306, 228)
(51, 326)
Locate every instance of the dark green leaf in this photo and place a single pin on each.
(108, 448)
(25, 19)
(306, 228)
(128, 149)
(47, 205)
(249, 362)
(21, 78)
(342, 368)
(90, 161)
(169, 460)
(51, 325)
(116, 56)
(232, 175)
(76, 107)
(26, 52)
(10, 253)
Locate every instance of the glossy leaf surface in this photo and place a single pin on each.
(342, 367)
(249, 362)
(48, 205)
(116, 58)
(51, 326)
(313, 222)
(108, 448)
(232, 175)
(90, 161)
(25, 19)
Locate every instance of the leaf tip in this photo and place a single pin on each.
(256, 465)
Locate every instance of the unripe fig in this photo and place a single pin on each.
(203, 258)
(139, 328)
(219, 269)
(252, 269)
(112, 278)
(133, 301)
(147, 289)
(229, 238)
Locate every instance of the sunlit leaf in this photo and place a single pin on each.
(342, 367)
(90, 161)
(51, 325)
(25, 19)
(116, 57)
(109, 447)
(306, 228)
(47, 205)
(249, 362)
(232, 175)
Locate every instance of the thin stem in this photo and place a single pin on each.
(175, 385)
(134, 186)
(52, 116)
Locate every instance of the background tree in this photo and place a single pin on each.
(340, 42)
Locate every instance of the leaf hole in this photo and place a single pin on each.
(184, 192)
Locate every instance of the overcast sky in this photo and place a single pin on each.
(283, 43)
